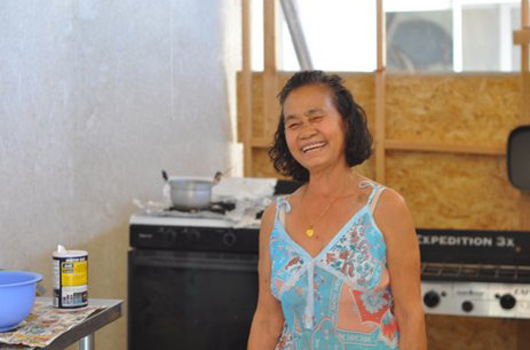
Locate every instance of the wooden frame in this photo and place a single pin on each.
(381, 145)
(270, 71)
(380, 85)
(246, 103)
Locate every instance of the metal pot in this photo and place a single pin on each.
(190, 193)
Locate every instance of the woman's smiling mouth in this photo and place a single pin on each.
(313, 146)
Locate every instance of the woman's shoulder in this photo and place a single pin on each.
(269, 214)
(391, 210)
(267, 218)
(390, 198)
(390, 194)
(292, 198)
(387, 200)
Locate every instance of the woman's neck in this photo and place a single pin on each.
(330, 182)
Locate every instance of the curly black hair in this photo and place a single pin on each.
(358, 145)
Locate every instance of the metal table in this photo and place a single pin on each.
(84, 332)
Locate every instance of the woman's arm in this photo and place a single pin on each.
(403, 256)
(268, 319)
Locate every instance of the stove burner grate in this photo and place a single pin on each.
(214, 207)
(475, 273)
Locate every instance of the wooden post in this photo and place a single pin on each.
(525, 24)
(380, 82)
(270, 71)
(246, 104)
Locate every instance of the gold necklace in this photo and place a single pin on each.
(310, 231)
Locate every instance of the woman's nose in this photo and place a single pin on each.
(307, 131)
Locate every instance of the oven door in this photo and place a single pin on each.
(191, 300)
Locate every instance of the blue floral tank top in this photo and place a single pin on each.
(341, 298)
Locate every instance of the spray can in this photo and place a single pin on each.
(70, 278)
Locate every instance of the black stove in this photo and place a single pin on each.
(193, 280)
(475, 272)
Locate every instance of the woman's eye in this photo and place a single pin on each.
(317, 118)
(293, 125)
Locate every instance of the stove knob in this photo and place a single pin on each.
(193, 236)
(431, 299)
(508, 301)
(170, 235)
(229, 239)
(467, 306)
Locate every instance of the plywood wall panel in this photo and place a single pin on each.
(454, 191)
(363, 90)
(470, 333)
(457, 109)
(257, 105)
(443, 190)
(262, 165)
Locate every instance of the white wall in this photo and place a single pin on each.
(96, 97)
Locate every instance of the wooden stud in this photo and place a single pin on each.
(444, 148)
(521, 37)
(525, 23)
(270, 72)
(261, 142)
(246, 89)
(380, 82)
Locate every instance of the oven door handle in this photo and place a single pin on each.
(195, 260)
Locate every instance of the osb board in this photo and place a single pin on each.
(470, 333)
(456, 109)
(361, 85)
(262, 166)
(427, 108)
(257, 104)
(454, 191)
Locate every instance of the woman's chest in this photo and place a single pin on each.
(315, 236)
(351, 256)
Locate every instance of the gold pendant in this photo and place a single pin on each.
(309, 232)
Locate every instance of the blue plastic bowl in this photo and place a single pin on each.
(17, 295)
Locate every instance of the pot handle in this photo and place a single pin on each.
(164, 176)
(217, 177)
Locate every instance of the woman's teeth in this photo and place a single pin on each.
(313, 146)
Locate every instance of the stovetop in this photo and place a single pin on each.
(218, 214)
(475, 272)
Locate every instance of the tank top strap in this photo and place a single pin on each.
(282, 207)
(374, 195)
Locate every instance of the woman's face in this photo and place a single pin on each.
(314, 129)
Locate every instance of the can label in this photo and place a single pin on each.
(70, 289)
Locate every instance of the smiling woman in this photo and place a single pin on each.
(337, 269)
(318, 97)
(314, 129)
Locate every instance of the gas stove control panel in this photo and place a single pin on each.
(476, 299)
(179, 238)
